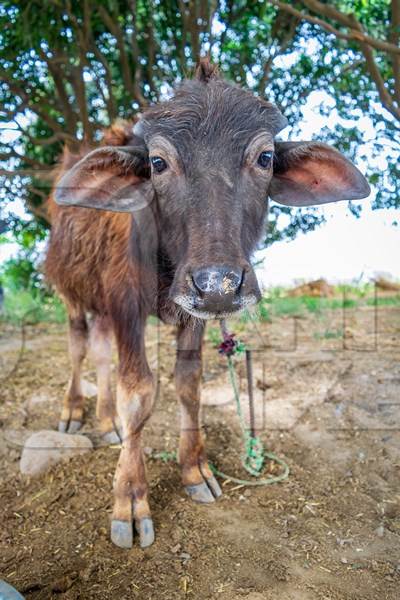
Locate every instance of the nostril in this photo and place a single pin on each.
(217, 280)
(236, 277)
(197, 284)
(232, 281)
(203, 280)
(242, 276)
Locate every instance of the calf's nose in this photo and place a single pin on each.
(217, 281)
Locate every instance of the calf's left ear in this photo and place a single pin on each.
(309, 173)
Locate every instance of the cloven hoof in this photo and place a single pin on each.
(122, 532)
(205, 492)
(71, 426)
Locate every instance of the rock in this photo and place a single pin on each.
(319, 288)
(251, 596)
(217, 395)
(343, 542)
(387, 285)
(45, 448)
(392, 510)
(185, 556)
(13, 437)
(8, 593)
(40, 398)
(349, 333)
(89, 389)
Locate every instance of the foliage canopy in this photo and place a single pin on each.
(70, 68)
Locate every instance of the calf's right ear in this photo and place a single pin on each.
(110, 178)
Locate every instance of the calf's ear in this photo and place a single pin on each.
(110, 178)
(307, 173)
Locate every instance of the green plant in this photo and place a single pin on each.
(213, 335)
(26, 297)
(385, 301)
(329, 334)
(30, 307)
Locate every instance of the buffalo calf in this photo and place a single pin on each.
(182, 202)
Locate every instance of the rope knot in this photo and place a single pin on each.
(254, 455)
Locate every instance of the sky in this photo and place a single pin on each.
(345, 248)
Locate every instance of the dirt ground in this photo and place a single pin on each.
(330, 532)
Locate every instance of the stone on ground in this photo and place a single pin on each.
(45, 448)
(7, 592)
(89, 389)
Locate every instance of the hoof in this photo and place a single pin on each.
(122, 533)
(214, 487)
(63, 426)
(200, 493)
(111, 438)
(74, 426)
(145, 529)
(69, 426)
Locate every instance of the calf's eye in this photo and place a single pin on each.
(265, 159)
(158, 163)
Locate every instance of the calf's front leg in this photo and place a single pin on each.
(197, 476)
(135, 395)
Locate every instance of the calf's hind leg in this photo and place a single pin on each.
(197, 476)
(100, 344)
(72, 410)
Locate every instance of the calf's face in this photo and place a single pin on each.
(206, 161)
(211, 154)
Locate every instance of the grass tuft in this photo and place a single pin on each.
(31, 307)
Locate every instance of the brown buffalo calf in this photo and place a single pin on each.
(191, 182)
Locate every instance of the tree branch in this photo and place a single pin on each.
(193, 27)
(110, 100)
(328, 11)
(182, 12)
(55, 72)
(136, 52)
(35, 106)
(151, 51)
(27, 159)
(12, 173)
(77, 80)
(17, 88)
(394, 37)
(373, 70)
(115, 29)
(355, 35)
(384, 95)
(40, 211)
(283, 44)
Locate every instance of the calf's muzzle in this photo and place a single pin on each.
(214, 290)
(217, 286)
